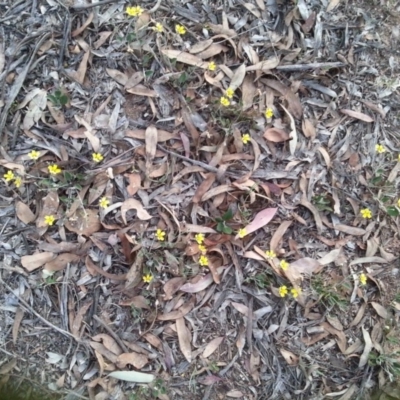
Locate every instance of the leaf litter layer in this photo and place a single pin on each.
(200, 200)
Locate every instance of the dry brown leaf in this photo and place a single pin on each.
(19, 315)
(367, 260)
(180, 313)
(212, 51)
(241, 308)
(134, 183)
(141, 90)
(79, 75)
(276, 135)
(351, 230)
(200, 46)
(108, 342)
(305, 265)
(341, 337)
(2, 58)
(238, 77)
(236, 394)
(332, 4)
(162, 136)
(185, 58)
(204, 187)
(357, 115)
(293, 133)
(172, 286)
(83, 222)
(257, 155)
(265, 65)
(278, 234)
(137, 360)
(212, 346)
(134, 80)
(35, 261)
(367, 348)
(184, 338)
(24, 213)
(104, 351)
(216, 191)
(326, 156)
(151, 137)
(249, 91)
(261, 219)
(50, 207)
(79, 30)
(241, 339)
(318, 221)
(309, 129)
(142, 214)
(294, 105)
(81, 314)
(289, 357)
(198, 286)
(8, 366)
(380, 310)
(61, 261)
(360, 314)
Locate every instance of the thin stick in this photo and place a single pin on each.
(30, 309)
(112, 333)
(305, 67)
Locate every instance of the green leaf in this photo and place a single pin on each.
(227, 229)
(393, 211)
(228, 215)
(220, 226)
(63, 99)
(57, 93)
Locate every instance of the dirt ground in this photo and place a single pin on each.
(199, 200)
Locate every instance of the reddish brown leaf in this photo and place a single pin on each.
(24, 213)
(135, 359)
(276, 135)
(35, 261)
(261, 219)
(184, 338)
(357, 115)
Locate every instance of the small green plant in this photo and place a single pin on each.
(323, 202)
(158, 387)
(58, 98)
(390, 363)
(222, 226)
(330, 295)
(261, 280)
(137, 314)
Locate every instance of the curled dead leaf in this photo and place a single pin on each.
(276, 135)
(83, 222)
(135, 359)
(135, 204)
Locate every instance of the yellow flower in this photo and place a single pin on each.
(283, 291)
(224, 101)
(284, 265)
(181, 30)
(246, 138)
(363, 279)
(49, 220)
(97, 157)
(398, 203)
(229, 92)
(366, 213)
(147, 278)
(199, 238)
(134, 11)
(379, 148)
(202, 249)
(269, 113)
(270, 254)
(104, 202)
(242, 233)
(295, 292)
(54, 169)
(398, 158)
(203, 261)
(18, 181)
(34, 155)
(212, 66)
(160, 235)
(9, 176)
(158, 27)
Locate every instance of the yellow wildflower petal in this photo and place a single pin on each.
(363, 279)
(199, 238)
(147, 278)
(269, 113)
(229, 92)
(270, 254)
(225, 101)
(380, 148)
(283, 291)
(246, 138)
(284, 265)
(9, 176)
(18, 181)
(160, 235)
(179, 29)
(295, 292)
(34, 155)
(242, 233)
(49, 220)
(104, 202)
(366, 213)
(212, 66)
(203, 261)
(97, 157)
